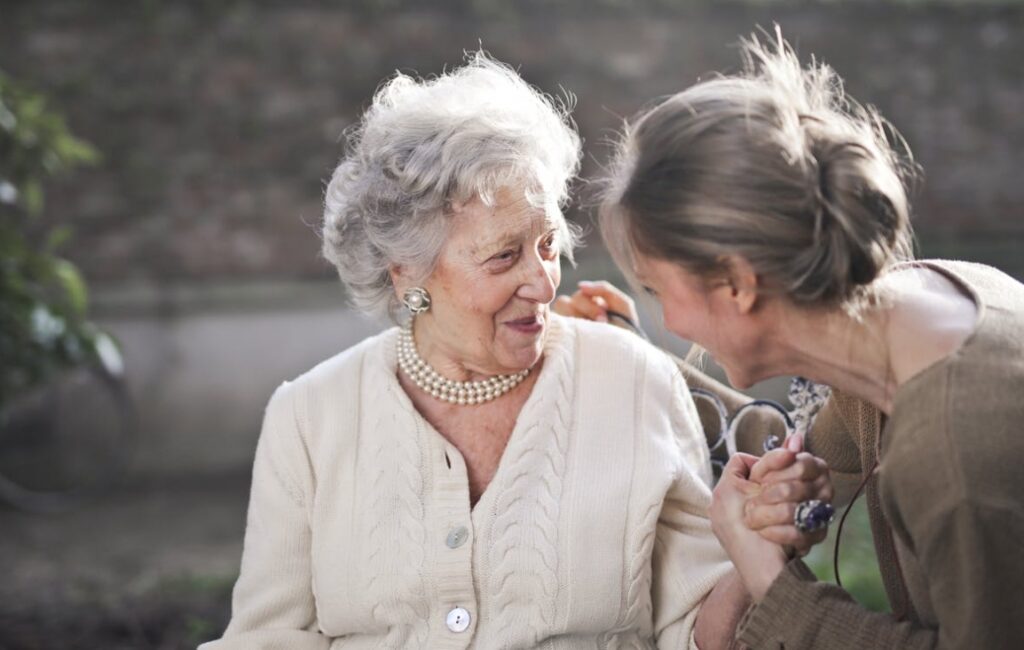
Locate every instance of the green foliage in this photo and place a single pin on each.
(858, 565)
(197, 624)
(43, 297)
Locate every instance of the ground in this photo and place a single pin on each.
(148, 568)
(151, 568)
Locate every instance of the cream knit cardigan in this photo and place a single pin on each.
(592, 534)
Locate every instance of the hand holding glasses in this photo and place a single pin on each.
(790, 505)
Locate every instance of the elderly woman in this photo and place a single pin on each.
(489, 474)
(766, 212)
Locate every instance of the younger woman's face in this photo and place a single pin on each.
(703, 311)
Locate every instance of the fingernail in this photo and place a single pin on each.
(794, 443)
(602, 318)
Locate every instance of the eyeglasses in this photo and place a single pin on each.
(772, 424)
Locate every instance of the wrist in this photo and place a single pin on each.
(759, 574)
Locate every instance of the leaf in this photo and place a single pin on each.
(108, 353)
(58, 237)
(71, 281)
(32, 197)
(73, 151)
(43, 298)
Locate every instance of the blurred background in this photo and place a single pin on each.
(160, 180)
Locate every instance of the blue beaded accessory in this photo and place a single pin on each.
(807, 398)
(813, 515)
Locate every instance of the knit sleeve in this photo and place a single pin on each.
(799, 612)
(831, 437)
(687, 560)
(971, 603)
(272, 603)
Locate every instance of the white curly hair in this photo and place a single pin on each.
(425, 145)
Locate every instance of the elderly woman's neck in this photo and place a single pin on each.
(447, 355)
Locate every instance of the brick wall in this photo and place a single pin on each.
(219, 122)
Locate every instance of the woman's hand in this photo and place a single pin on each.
(593, 300)
(786, 477)
(753, 507)
(757, 559)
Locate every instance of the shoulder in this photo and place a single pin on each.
(331, 388)
(610, 361)
(611, 347)
(325, 398)
(344, 368)
(987, 285)
(972, 273)
(622, 374)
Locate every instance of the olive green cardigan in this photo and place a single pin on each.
(946, 500)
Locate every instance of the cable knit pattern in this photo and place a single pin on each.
(398, 539)
(638, 562)
(638, 595)
(526, 526)
(592, 534)
(639, 556)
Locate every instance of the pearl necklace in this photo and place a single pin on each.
(456, 392)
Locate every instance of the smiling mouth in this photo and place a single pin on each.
(527, 325)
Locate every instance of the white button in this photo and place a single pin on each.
(457, 537)
(458, 620)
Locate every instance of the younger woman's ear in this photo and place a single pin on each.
(743, 283)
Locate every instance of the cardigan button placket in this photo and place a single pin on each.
(456, 615)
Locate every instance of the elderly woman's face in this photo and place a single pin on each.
(495, 277)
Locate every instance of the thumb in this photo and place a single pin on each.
(737, 474)
(739, 465)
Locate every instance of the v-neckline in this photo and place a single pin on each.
(487, 497)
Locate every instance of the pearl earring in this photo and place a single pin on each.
(416, 300)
